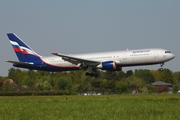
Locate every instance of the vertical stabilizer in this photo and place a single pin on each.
(22, 50)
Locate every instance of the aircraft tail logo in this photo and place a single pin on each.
(22, 50)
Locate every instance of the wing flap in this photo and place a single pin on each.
(76, 60)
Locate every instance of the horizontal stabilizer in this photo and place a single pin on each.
(19, 63)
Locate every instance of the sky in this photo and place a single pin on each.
(79, 26)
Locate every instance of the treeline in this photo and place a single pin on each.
(77, 82)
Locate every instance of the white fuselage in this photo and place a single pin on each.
(122, 58)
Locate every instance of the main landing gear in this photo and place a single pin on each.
(92, 74)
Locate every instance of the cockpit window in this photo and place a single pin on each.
(167, 51)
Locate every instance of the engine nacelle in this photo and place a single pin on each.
(117, 69)
(109, 65)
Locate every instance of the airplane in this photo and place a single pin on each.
(92, 62)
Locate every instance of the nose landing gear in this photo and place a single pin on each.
(161, 66)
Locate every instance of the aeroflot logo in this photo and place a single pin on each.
(141, 51)
(22, 49)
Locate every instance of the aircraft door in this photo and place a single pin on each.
(124, 56)
(156, 55)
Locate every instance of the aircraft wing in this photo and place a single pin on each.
(76, 60)
(19, 63)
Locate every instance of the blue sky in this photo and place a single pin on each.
(79, 26)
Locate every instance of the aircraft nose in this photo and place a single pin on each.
(172, 56)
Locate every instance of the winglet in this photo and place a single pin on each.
(54, 53)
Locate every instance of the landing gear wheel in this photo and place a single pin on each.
(92, 74)
(87, 73)
(162, 64)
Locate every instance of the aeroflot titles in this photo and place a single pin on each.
(140, 51)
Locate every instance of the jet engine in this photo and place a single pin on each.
(108, 65)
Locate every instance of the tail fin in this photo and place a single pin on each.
(22, 50)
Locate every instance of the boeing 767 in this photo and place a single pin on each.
(112, 61)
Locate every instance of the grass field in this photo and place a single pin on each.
(112, 107)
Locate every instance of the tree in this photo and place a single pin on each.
(135, 84)
(77, 81)
(166, 75)
(86, 85)
(111, 85)
(31, 74)
(47, 86)
(98, 85)
(129, 73)
(109, 75)
(155, 74)
(122, 87)
(120, 75)
(39, 86)
(64, 83)
(16, 74)
(176, 76)
(175, 88)
(11, 73)
(27, 81)
(145, 75)
(2, 78)
(151, 89)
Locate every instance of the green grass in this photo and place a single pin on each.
(112, 107)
